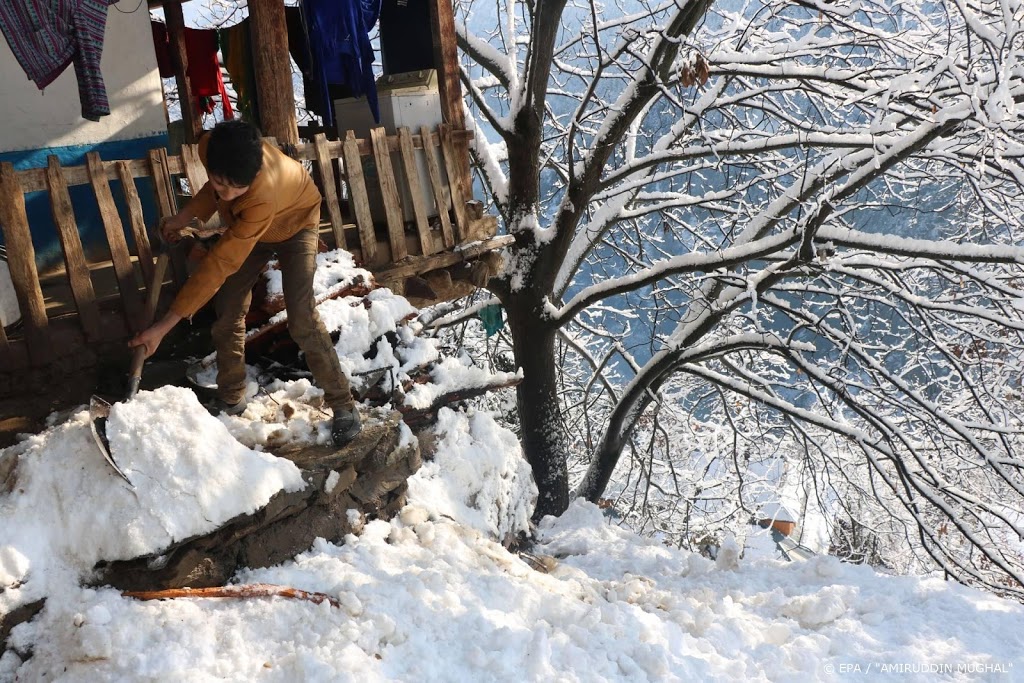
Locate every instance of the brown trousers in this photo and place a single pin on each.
(297, 257)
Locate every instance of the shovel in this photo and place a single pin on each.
(99, 410)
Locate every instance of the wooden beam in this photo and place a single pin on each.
(451, 163)
(442, 197)
(166, 205)
(360, 201)
(21, 260)
(325, 165)
(268, 32)
(389, 193)
(412, 179)
(193, 168)
(75, 266)
(138, 220)
(179, 63)
(424, 264)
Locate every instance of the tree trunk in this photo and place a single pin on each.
(543, 430)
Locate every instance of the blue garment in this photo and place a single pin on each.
(339, 41)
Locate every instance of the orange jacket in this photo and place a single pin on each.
(280, 202)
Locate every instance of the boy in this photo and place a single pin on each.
(270, 206)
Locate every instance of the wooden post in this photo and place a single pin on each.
(446, 57)
(179, 62)
(21, 259)
(268, 32)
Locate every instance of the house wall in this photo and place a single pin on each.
(35, 124)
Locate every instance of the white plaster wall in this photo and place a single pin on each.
(33, 119)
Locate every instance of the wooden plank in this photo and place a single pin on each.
(326, 168)
(166, 206)
(412, 178)
(451, 164)
(417, 265)
(21, 260)
(162, 189)
(193, 168)
(360, 201)
(131, 197)
(442, 198)
(114, 229)
(389, 193)
(75, 265)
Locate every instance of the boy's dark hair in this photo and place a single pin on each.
(235, 152)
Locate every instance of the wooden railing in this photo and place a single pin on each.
(426, 242)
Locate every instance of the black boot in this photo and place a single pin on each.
(345, 426)
(219, 405)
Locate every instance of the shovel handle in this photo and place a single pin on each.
(159, 270)
(139, 355)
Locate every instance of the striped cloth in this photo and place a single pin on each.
(47, 35)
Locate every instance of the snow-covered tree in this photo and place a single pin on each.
(793, 220)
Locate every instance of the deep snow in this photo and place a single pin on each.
(433, 595)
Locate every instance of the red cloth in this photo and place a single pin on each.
(203, 67)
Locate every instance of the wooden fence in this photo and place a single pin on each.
(423, 244)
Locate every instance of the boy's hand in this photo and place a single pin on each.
(151, 337)
(171, 227)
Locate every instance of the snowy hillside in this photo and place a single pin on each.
(433, 595)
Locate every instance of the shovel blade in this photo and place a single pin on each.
(99, 411)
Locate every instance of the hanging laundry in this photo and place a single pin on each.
(340, 46)
(299, 49)
(203, 66)
(237, 51)
(47, 35)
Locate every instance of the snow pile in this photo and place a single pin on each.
(433, 599)
(69, 509)
(477, 476)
